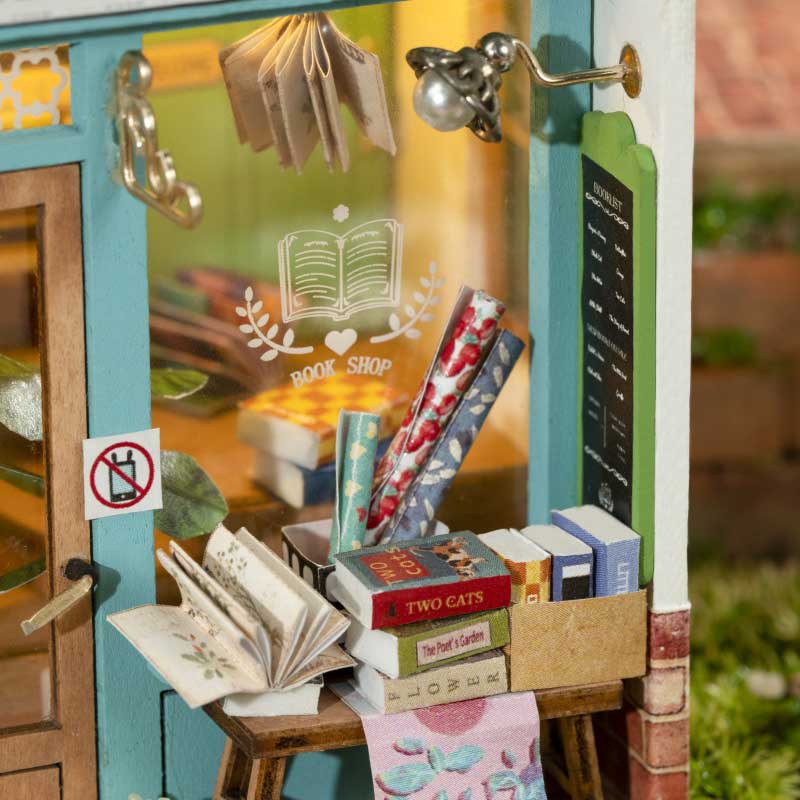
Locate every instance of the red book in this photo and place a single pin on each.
(421, 579)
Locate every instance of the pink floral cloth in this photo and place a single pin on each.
(428, 415)
(485, 749)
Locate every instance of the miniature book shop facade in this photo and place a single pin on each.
(344, 399)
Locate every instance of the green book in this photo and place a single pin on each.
(408, 649)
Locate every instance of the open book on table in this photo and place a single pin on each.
(247, 629)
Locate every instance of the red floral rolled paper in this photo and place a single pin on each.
(438, 395)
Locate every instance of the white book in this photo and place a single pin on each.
(247, 625)
(302, 700)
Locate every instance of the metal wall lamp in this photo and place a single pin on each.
(458, 89)
(159, 186)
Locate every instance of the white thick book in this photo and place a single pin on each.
(246, 625)
(302, 700)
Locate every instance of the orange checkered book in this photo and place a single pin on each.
(299, 424)
(529, 564)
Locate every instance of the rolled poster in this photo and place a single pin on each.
(454, 366)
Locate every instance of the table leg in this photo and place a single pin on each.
(234, 773)
(266, 779)
(577, 737)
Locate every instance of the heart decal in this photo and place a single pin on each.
(341, 341)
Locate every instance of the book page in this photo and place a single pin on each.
(240, 65)
(313, 72)
(242, 615)
(360, 85)
(330, 94)
(267, 83)
(371, 256)
(310, 274)
(280, 607)
(302, 131)
(200, 668)
(213, 622)
(332, 658)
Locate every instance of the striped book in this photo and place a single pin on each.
(528, 564)
(571, 561)
(615, 545)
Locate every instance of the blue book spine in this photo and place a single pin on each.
(572, 577)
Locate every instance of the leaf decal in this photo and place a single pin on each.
(410, 311)
(173, 384)
(478, 409)
(405, 779)
(509, 759)
(248, 294)
(455, 450)
(488, 398)
(426, 317)
(419, 297)
(242, 312)
(272, 331)
(436, 759)
(246, 328)
(257, 306)
(505, 779)
(269, 355)
(394, 321)
(505, 356)
(425, 282)
(447, 473)
(288, 337)
(464, 758)
(413, 333)
(410, 746)
(193, 505)
(255, 343)
(436, 464)
(432, 268)
(429, 510)
(262, 320)
(497, 374)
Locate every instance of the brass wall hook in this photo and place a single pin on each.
(160, 189)
(458, 89)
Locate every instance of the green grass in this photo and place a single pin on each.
(743, 618)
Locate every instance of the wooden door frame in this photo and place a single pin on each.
(68, 740)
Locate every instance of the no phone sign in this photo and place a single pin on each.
(122, 474)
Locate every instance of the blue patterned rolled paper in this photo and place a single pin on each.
(356, 447)
(413, 517)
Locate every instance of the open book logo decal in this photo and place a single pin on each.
(323, 274)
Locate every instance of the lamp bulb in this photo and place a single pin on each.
(439, 104)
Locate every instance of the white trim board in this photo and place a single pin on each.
(663, 116)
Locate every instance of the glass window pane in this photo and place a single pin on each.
(444, 199)
(25, 683)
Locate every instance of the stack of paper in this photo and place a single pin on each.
(286, 80)
(248, 629)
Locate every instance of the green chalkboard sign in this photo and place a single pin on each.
(617, 369)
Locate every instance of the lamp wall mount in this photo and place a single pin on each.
(140, 155)
(461, 88)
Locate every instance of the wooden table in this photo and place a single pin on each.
(254, 761)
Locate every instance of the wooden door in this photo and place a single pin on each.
(47, 722)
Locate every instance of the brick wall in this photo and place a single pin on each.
(644, 747)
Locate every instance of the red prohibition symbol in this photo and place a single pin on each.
(136, 489)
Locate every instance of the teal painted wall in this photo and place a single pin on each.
(562, 39)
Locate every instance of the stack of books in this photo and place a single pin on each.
(293, 432)
(430, 617)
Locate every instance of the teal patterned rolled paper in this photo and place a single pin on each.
(356, 448)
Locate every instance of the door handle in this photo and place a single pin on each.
(84, 576)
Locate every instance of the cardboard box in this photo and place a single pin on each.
(575, 642)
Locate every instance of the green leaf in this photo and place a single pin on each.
(436, 759)
(462, 759)
(193, 505)
(27, 481)
(503, 780)
(21, 575)
(20, 399)
(173, 384)
(410, 746)
(406, 779)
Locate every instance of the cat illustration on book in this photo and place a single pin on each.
(455, 553)
(323, 274)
